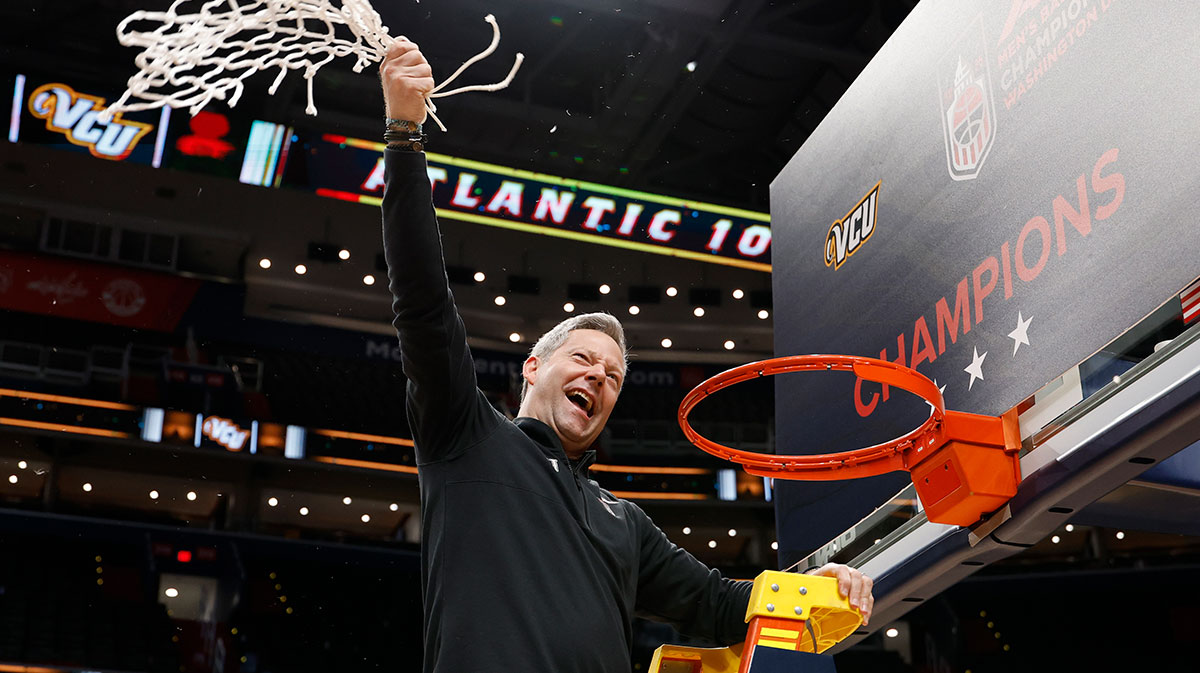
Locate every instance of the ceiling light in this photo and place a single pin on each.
(732, 532)
(687, 530)
(366, 518)
(691, 66)
(712, 544)
(301, 269)
(1056, 539)
(500, 300)
(87, 488)
(12, 478)
(272, 501)
(343, 254)
(774, 546)
(346, 500)
(191, 495)
(154, 495)
(303, 511)
(892, 632)
(22, 465)
(666, 343)
(605, 289)
(171, 592)
(729, 345)
(738, 294)
(480, 276)
(699, 312)
(1120, 535)
(1069, 528)
(671, 291)
(393, 507)
(634, 310)
(514, 337)
(568, 307)
(264, 263)
(368, 279)
(764, 314)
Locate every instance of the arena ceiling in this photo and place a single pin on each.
(698, 99)
(611, 77)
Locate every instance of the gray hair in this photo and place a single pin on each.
(556, 337)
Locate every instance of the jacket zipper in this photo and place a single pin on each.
(587, 520)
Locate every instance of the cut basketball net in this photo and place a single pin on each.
(195, 57)
(963, 465)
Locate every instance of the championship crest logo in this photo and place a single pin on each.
(968, 113)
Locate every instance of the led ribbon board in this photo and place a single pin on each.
(68, 115)
(352, 170)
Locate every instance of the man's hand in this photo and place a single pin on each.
(853, 585)
(406, 78)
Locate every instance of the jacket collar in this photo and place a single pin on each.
(544, 435)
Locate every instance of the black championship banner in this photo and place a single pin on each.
(1003, 191)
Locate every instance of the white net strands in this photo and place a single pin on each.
(204, 50)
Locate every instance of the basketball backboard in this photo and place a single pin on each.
(987, 205)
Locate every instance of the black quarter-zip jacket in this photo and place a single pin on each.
(527, 564)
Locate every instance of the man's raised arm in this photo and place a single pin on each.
(444, 405)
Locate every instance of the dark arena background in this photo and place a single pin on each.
(205, 464)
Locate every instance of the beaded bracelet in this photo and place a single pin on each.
(401, 134)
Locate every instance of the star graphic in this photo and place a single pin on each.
(1021, 334)
(975, 369)
(941, 389)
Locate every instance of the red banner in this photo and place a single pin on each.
(83, 290)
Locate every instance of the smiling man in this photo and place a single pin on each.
(527, 564)
(572, 378)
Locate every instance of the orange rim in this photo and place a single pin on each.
(886, 457)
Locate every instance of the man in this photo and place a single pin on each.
(527, 564)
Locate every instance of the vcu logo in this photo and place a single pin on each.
(848, 234)
(225, 432)
(77, 116)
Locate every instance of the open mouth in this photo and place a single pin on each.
(582, 401)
